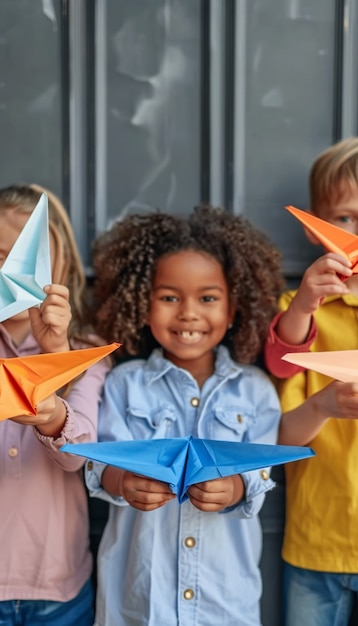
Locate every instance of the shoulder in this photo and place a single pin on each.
(259, 390)
(250, 375)
(257, 377)
(88, 340)
(125, 380)
(251, 388)
(128, 369)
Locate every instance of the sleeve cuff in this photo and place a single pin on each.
(302, 347)
(93, 478)
(67, 433)
(275, 349)
(257, 483)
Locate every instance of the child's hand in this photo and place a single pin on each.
(50, 321)
(50, 417)
(339, 400)
(218, 494)
(145, 494)
(320, 280)
(299, 426)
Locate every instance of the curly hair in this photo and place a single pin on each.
(125, 258)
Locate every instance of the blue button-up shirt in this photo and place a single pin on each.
(178, 565)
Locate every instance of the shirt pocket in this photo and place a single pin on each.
(151, 423)
(230, 423)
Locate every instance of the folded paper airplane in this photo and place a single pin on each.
(27, 268)
(25, 381)
(185, 461)
(338, 364)
(333, 238)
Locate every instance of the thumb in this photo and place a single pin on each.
(35, 316)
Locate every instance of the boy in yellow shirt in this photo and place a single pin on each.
(320, 549)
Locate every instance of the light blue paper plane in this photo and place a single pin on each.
(185, 461)
(27, 268)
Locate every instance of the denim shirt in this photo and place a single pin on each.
(178, 565)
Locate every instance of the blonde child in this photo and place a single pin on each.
(320, 549)
(194, 297)
(46, 564)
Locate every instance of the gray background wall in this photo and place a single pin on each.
(127, 105)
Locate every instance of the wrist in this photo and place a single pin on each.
(294, 325)
(63, 347)
(301, 312)
(112, 481)
(54, 425)
(319, 411)
(238, 490)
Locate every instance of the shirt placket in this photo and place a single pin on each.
(12, 457)
(189, 564)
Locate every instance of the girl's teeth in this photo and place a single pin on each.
(186, 334)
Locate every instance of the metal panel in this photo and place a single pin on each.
(349, 74)
(217, 102)
(78, 125)
(284, 113)
(31, 93)
(148, 94)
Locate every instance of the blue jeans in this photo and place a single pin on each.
(76, 612)
(317, 598)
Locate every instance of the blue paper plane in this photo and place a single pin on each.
(185, 461)
(27, 268)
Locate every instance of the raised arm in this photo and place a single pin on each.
(293, 330)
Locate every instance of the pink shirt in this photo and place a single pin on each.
(275, 349)
(44, 528)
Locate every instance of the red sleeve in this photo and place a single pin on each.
(275, 349)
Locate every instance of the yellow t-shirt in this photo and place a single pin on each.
(321, 530)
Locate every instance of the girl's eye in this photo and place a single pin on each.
(169, 298)
(344, 219)
(208, 299)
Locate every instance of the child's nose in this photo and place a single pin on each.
(188, 311)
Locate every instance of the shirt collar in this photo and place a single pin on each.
(349, 299)
(157, 365)
(27, 347)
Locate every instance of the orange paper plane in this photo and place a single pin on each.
(338, 364)
(333, 238)
(25, 381)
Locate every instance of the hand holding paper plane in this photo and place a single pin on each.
(25, 381)
(27, 268)
(185, 461)
(334, 239)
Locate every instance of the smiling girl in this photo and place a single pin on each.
(194, 298)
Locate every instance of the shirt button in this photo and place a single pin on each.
(195, 402)
(13, 451)
(190, 542)
(188, 594)
(90, 465)
(264, 475)
(239, 418)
